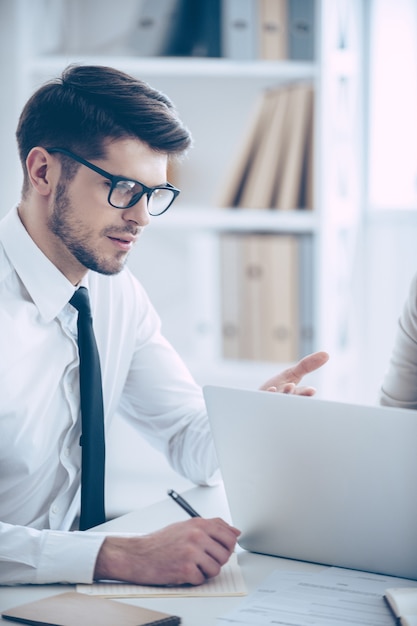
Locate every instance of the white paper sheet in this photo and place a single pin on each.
(331, 597)
(229, 582)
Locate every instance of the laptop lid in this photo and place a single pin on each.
(318, 480)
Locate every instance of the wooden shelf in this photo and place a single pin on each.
(179, 66)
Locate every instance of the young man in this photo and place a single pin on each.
(85, 142)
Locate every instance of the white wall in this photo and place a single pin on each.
(390, 261)
(9, 108)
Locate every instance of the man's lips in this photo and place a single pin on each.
(123, 242)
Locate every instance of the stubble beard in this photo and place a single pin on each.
(77, 237)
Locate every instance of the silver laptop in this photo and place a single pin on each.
(317, 480)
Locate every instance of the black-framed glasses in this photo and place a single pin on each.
(125, 192)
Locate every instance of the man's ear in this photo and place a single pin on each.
(42, 170)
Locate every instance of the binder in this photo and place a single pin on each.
(295, 141)
(308, 191)
(231, 193)
(252, 277)
(274, 166)
(305, 168)
(230, 260)
(306, 288)
(156, 27)
(273, 33)
(266, 164)
(260, 297)
(239, 29)
(270, 298)
(280, 299)
(207, 26)
(301, 17)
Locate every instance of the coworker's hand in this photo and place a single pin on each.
(287, 381)
(185, 552)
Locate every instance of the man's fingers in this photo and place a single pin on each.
(293, 375)
(304, 391)
(224, 534)
(308, 364)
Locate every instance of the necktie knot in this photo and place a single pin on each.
(81, 301)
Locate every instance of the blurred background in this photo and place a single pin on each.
(296, 227)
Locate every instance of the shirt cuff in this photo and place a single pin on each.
(68, 557)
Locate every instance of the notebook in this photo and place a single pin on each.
(317, 480)
(76, 609)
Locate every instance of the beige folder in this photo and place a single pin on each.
(76, 609)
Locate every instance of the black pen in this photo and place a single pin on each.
(183, 503)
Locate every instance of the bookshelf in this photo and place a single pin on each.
(179, 257)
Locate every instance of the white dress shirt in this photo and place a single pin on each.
(399, 387)
(143, 379)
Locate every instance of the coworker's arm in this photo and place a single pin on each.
(287, 381)
(29, 556)
(399, 387)
(185, 552)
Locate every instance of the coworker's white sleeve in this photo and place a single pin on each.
(30, 556)
(399, 387)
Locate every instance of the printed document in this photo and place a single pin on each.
(331, 597)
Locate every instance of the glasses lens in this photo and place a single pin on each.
(160, 201)
(126, 193)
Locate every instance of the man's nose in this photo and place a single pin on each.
(138, 213)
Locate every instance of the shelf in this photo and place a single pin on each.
(179, 262)
(237, 220)
(167, 66)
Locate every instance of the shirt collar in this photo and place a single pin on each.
(49, 289)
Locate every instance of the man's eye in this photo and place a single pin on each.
(125, 186)
(123, 191)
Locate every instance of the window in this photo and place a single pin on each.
(392, 110)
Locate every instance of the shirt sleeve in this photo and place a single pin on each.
(29, 556)
(399, 387)
(162, 400)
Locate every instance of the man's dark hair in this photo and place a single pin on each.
(90, 105)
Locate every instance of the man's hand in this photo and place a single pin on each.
(287, 381)
(185, 552)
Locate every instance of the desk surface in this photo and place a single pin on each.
(209, 502)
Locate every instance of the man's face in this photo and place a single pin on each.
(89, 232)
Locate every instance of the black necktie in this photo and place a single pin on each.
(92, 417)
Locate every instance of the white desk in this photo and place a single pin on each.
(209, 502)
